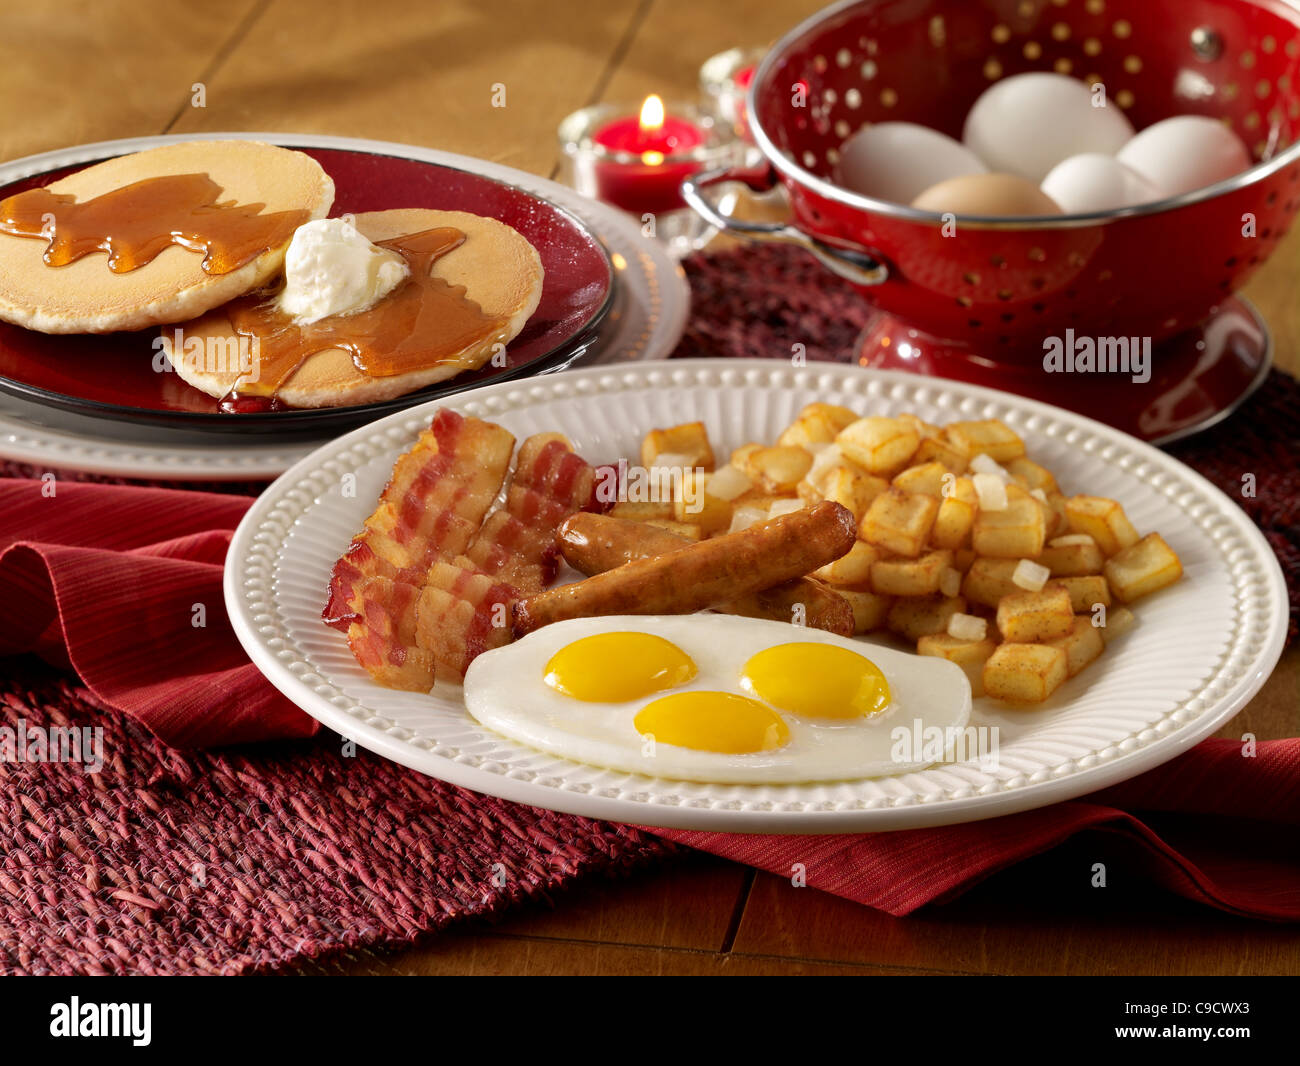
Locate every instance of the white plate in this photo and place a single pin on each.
(1201, 649)
(652, 301)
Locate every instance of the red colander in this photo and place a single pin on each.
(979, 299)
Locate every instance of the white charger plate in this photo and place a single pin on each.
(1200, 650)
(651, 305)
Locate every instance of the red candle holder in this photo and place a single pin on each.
(635, 158)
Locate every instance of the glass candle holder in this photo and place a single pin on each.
(611, 153)
(724, 81)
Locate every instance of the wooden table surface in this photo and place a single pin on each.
(424, 73)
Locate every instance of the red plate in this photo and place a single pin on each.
(112, 375)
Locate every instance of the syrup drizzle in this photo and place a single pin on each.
(135, 223)
(422, 323)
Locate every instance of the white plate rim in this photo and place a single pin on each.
(650, 272)
(252, 561)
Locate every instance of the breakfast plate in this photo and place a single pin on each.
(1201, 649)
(642, 318)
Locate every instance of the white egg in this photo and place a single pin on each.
(1095, 182)
(1177, 155)
(897, 161)
(506, 692)
(1028, 123)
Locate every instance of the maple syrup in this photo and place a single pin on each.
(135, 223)
(421, 323)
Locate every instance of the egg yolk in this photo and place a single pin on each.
(817, 681)
(616, 667)
(713, 721)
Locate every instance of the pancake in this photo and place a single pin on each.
(500, 270)
(86, 297)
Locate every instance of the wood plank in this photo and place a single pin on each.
(91, 71)
(1273, 290)
(419, 73)
(1041, 917)
(645, 911)
(494, 955)
(676, 36)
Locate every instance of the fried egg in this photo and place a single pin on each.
(716, 698)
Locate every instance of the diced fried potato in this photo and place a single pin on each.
(1017, 532)
(1057, 523)
(1143, 568)
(696, 505)
(817, 423)
(1085, 592)
(914, 617)
(690, 440)
(970, 655)
(899, 521)
(956, 517)
(869, 610)
(1031, 475)
(779, 469)
(1025, 673)
(910, 577)
(988, 580)
(927, 478)
(990, 437)
(740, 457)
(1119, 620)
(849, 486)
(936, 449)
(756, 498)
(922, 427)
(879, 445)
(1081, 645)
(635, 511)
(1103, 520)
(962, 558)
(853, 569)
(960, 488)
(1072, 556)
(688, 530)
(1032, 617)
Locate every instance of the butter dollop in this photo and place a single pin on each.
(331, 269)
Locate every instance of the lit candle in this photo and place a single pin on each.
(637, 161)
(650, 155)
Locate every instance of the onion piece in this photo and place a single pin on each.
(992, 492)
(1030, 576)
(967, 627)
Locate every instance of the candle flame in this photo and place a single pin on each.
(652, 114)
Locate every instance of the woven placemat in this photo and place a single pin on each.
(225, 862)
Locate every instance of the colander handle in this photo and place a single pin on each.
(857, 267)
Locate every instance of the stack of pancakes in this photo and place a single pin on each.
(499, 270)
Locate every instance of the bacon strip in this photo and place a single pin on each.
(383, 636)
(428, 584)
(461, 613)
(517, 543)
(431, 508)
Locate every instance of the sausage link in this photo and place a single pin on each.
(702, 574)
(594, 543)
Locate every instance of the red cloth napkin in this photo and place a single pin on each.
(1240, 854)
(107, 579)
(115, 580)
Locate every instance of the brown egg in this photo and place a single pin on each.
(987, 194)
